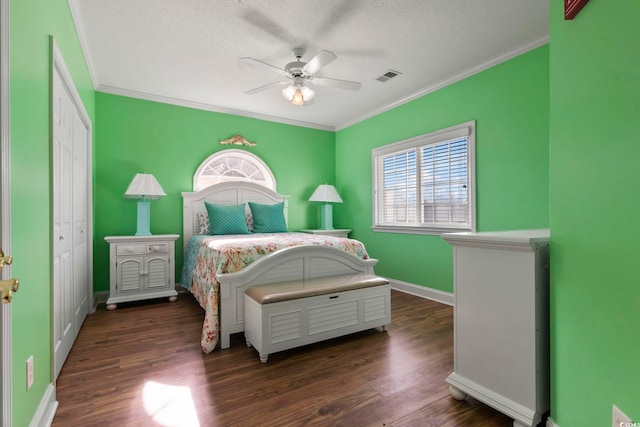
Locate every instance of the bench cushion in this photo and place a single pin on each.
(286, 291)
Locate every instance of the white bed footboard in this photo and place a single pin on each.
(295, 263)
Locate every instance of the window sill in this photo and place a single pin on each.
(418, 230)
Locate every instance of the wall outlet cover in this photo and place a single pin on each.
(29, 372)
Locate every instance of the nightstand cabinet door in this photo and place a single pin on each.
(129, 271)
(157, 276)
(141, 267)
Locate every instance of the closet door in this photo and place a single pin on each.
(63, 118)
(71, 215)
(80, 239)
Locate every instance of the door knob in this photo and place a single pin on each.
(4, 260)
(7, 288)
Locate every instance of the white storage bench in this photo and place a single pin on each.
(291, 314)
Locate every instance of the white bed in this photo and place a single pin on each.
(291, 263)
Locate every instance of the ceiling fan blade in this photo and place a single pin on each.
(268, 25)
(324, 57)
(341, 84)
(341, 12)
(257, 63)
(265, 87)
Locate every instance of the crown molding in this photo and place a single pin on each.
(207, 107)
(84, 45)
(449, 81)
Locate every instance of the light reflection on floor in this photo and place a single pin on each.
(170, 405)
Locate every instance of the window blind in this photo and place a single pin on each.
(426, 183)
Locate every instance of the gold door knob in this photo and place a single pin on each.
(7, 288)
(4, 260)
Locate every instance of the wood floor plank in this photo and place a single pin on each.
(141, 365)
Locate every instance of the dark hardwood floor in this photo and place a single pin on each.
(141, 365)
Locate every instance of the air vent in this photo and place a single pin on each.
(388, 75)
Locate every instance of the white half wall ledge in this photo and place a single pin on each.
(422, 291)
(551, 423)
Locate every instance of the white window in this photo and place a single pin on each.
(233, 165)
(426, 184)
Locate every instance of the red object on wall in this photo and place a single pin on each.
(572, 7)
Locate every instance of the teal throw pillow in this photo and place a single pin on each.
(268, 218)
(226, 219)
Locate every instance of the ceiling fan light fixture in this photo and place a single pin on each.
(300, 73)
(298, 94)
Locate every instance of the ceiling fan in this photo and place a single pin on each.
(299, 74)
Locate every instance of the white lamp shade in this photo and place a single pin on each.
(325, 193)
(307, 93)
(144, 186)
(289, 92)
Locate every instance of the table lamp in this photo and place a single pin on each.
(327, 194)
(144, 187)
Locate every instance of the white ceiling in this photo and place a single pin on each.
(187, 52)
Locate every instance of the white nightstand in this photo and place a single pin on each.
(141, 267)
(344, 232)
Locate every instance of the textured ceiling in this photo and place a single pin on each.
(188, 52)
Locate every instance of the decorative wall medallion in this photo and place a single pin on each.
(237, 140)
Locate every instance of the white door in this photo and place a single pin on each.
(63, 113)
(5, 309)
(80, 240)
(71, 165)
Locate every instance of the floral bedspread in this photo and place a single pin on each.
(208, 256)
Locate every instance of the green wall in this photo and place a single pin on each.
(544, 158)
(510, 103)
(170, 142)
(32, 24)
(594, 151)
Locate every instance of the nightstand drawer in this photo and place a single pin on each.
(131, 249)
(138, 249)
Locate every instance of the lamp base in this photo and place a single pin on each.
(144, 216)
(326, 217)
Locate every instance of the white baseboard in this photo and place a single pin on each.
(422, 291)
(46, 410)
(100, 298)
(551, 423)
(408, 288)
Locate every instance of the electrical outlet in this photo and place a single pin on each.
(29, 372)
(619, 419)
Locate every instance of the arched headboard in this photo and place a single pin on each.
(233, 165)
